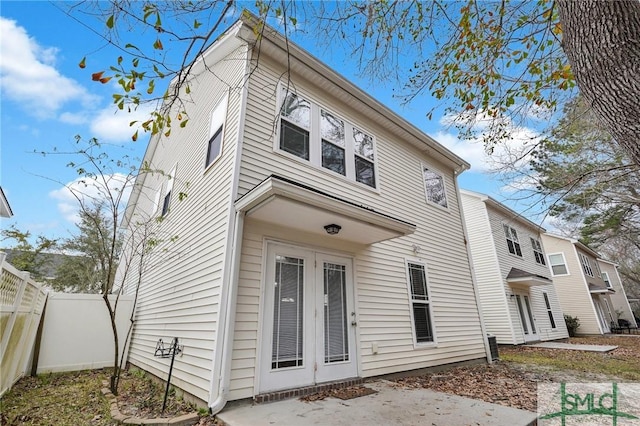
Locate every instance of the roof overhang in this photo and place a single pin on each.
(283, 202)
(5, 208)
(519, 277)
(598, 289)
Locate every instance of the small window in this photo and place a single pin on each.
(167, 197)
(214, 148)
(420, 303)
(513, 243)
(605, 278)
(597, 268)
(586, 265)
(434, 187)
(558, 264)
(549, 311)
(216, 133)
(537, 251)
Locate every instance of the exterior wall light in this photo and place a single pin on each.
(332, 229)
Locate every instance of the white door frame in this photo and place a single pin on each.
(313, 369)
(526, 316)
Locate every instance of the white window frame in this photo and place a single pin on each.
(216, 122)
(549, 309)
(537, 251)
(315, 139)
(509, 233)
(586, 265)
(607, 280)
(424, 167)
(171, 177)
(564, 262)
(597, 268)
(428, 302)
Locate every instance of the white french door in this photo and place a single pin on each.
(527, 320)
(309, 320)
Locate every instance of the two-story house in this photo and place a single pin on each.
(582, 291)
(518, 300)
(320, 239)
(620, 307)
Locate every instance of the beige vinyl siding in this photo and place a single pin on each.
(382, 298)
(491, 287)
(180, 290)
(572, 289)
(493, 262)
(618, 299)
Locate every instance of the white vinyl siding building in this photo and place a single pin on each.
(253, 261)
(581, 291)
(619, 303)
(517, 295)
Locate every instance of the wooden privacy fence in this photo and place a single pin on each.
(22, 301)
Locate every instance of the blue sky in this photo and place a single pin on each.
(47, 99)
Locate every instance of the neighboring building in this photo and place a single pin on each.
(619, 302)
(518, 300)
(5, 208)
(321, 237)
(579, 284)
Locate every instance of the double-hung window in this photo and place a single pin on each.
(216, 133)
(513, 244)
(315, 134)
(549, 310)
(420, 303)
(434, 187)
(586, 265)
(537, 251)
(558, 264)
(605, 278)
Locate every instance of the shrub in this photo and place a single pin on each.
(572, 324)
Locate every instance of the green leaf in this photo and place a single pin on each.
(196, 24)
(110, 22)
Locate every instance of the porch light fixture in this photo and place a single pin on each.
(332, 229)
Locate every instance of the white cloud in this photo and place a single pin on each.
(470, 150)
(112, 125)
(74, 118)
(28, 75)
(87, 191)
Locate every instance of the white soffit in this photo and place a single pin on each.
(285, 203)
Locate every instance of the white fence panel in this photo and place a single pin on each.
(21, 304)
(77, 332)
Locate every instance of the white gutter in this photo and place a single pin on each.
(223, 352)
(474, 281)
(227, 319)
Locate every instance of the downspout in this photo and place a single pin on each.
(223, 355)
(474, 282)
(226, 325)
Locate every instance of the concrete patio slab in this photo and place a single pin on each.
(391, 405)
(587, 348)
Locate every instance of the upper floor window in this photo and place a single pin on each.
(607, 281)
(558, 264)
(167, 192)
(537, 251)
(434, 187)
(597, 268)
(216, 133)
(315, 134)
(513, 244)
(420, 303)
(586, 265)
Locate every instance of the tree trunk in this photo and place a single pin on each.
(602, 42)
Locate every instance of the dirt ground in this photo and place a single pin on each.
(75, 398)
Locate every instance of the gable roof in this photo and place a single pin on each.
(576, 243)
(5, 208)
(512, 214)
